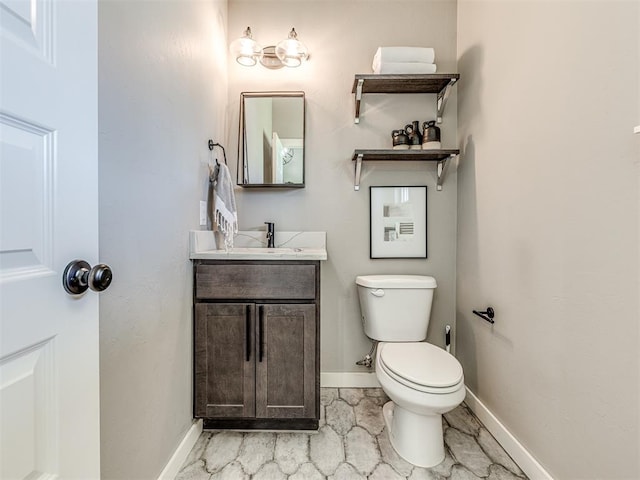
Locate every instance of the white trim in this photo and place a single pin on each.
(512, 446)
(349, 380)
(636, 129)
(182, 452)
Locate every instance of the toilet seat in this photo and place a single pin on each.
(421, 366)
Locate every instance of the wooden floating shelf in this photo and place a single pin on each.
(404, 83)
(438, 83)
(440, 156)
(405, 155)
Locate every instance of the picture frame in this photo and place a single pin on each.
(398, 222)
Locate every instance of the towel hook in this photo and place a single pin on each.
(224, 154)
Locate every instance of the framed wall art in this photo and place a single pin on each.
(398, 222)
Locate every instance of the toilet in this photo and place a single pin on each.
(422, 380)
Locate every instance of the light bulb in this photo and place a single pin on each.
(246, 50)
(292, 52)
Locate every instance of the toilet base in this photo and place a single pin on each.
(416, 438)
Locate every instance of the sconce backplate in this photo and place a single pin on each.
(269, 58)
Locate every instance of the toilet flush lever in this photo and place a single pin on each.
(378, 292)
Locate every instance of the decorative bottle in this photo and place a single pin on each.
(431, 136)
(400, 140)
(413, 132)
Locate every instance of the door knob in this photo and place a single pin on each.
(78, 276)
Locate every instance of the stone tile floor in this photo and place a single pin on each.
(351, 444)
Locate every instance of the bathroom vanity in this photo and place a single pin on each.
(256, 335)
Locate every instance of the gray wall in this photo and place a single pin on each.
(548, 204)
(342, 37)
(162, 94)
(548, 218)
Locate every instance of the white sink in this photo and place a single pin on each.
(251, 245)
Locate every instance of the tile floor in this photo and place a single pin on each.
(351, 444)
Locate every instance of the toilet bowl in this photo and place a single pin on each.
(423, 382)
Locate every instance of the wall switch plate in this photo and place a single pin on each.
(203, 213)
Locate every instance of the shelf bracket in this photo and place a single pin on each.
(358, 100)
(443, 166)
(356, 185)
(443, 96)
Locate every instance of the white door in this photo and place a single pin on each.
(49, 385)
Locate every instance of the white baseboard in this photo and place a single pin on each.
(511, 445)
(182, 452)
(348, 380)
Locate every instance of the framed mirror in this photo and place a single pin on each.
(271, 139)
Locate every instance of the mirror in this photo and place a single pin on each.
(271, 146)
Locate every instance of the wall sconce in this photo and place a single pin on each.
(290, 52)
(246, 49)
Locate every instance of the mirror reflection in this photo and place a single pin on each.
(271, 149)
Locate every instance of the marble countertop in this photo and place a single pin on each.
(251, 245)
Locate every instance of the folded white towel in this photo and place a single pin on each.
(404, 54)
(225, 214)
(405, 67)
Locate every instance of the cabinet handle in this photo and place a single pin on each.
(261, 332)
(248, 332)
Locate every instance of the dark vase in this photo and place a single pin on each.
(400, 140)
(431, 136)
(413, 132)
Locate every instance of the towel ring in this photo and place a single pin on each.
(224, 154)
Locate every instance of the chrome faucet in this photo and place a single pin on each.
(271, 234)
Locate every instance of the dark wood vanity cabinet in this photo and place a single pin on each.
(256, 344)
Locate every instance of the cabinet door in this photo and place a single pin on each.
(286, 380)
(224, 360)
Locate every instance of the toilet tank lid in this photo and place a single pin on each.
(396, 281)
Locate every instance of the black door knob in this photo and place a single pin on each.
(100, 277)
(78, 276)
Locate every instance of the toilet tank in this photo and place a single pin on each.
(395, 308)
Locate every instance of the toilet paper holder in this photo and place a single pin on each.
(487, 315)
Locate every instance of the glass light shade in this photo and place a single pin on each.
(246, 50)
(292, 52)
